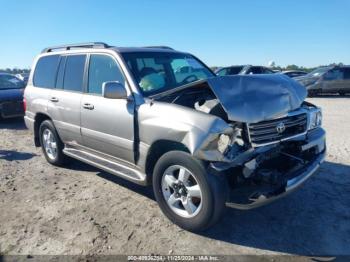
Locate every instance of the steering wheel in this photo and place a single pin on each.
(187, 79)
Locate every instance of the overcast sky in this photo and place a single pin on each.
(307, 33)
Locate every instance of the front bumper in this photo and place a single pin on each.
(315, 139)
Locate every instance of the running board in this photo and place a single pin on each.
(108, 165)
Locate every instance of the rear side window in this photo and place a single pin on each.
(102, 69)
(74, 73)
(45, 71)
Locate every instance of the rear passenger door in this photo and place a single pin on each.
(44, 80)
(107, 125)
(64, 100)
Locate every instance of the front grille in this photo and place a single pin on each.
(266, 131)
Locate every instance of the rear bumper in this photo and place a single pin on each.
(10, 109)
(315, 139)
(29, 122)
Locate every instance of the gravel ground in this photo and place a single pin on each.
(82, 210)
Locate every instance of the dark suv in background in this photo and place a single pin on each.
(329, 79)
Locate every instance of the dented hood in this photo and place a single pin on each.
(255, 98)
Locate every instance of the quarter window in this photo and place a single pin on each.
(74, 73)
(45, 71)
(102, 68)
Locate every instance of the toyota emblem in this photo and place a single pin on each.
(280, 128)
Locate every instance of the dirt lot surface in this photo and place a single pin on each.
(82, 210)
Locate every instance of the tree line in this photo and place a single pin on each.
(292, 67)
(14, 70)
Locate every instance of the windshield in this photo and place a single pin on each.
(10, 82)
(156, 72)
(319, 71)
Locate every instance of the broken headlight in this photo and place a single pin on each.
(315, 119)
(223, 142)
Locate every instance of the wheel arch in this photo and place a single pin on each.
(158, 149)
(39, 118)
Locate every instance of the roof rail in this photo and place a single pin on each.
(82, 45)
(160, 46)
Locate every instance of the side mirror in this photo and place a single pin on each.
(114, 90)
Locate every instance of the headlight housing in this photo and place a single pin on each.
(315, 118)
(223, 143)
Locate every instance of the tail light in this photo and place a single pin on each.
(24, 105)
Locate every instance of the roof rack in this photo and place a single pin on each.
(160, 46)
(82, 45)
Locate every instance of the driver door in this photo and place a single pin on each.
(107, 125)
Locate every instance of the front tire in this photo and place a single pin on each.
(186, 193)
(51, 144)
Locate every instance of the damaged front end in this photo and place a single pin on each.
(258, 175)
(272, 141)
(269, 159)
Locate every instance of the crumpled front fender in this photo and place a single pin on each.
(196, 130)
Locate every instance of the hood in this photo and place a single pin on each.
(255, 98)
(11, 94)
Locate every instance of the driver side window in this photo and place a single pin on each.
(102, 68)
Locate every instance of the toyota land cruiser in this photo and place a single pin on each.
(203, 142)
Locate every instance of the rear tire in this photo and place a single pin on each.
(175, 176)
(51, 144)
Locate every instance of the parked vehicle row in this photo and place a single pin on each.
(330, 79)
(162, 117)
(243, 70)
(294, 73)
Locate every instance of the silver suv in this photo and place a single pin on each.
(204, 142)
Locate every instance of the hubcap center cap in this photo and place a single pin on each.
(180, 189)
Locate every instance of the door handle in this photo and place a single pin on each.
(54, 99)
(88, 106)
